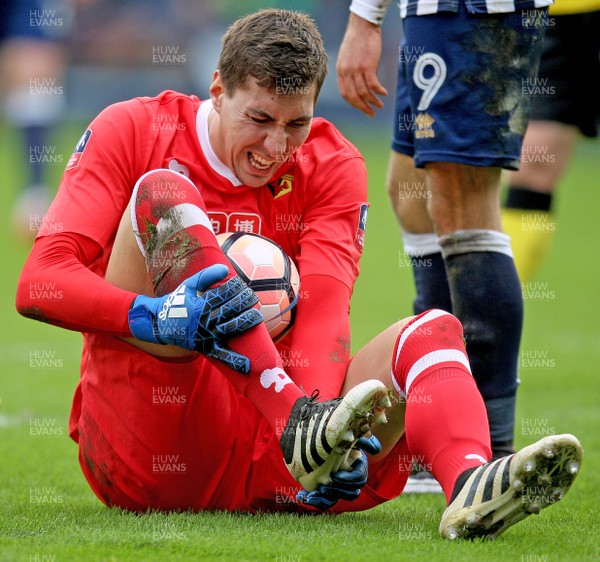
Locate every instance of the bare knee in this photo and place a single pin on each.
(463, 197)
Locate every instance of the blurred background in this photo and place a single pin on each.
(118, 49)
(113, 47)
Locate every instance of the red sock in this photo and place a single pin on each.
(177, 240)
(446, 421)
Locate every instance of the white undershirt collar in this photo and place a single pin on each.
(204, 139)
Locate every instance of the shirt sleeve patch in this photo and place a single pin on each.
(359, 238)
(79, 150)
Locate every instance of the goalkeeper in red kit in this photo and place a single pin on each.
(129, 243)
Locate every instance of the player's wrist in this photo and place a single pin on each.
(372, 11)
(141, 318)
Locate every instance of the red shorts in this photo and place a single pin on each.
(176, 436)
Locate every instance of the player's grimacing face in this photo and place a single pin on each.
(256, 130)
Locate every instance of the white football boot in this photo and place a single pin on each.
(490, 498)
(319, 436)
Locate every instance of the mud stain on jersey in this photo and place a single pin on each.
(341, 352)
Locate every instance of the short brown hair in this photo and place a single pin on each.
(282, 49)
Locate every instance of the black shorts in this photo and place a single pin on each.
(569, 73)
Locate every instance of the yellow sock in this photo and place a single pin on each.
(531, 233)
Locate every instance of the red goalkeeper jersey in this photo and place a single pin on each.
(147, 425)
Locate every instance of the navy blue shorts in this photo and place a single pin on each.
(462, 83)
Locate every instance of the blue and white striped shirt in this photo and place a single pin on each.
(374, 10)
(423, 7)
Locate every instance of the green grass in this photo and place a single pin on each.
(47, 511)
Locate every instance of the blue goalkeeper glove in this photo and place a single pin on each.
(198, 318)
(345, 484)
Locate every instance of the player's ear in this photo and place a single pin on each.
(216, 91)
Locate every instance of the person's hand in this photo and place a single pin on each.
(199, 318)
(358, 59)
(345, 484)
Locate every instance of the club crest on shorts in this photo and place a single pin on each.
(424, 123)
(359, 238)
(79, 150)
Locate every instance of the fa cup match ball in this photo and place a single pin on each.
(269, 272)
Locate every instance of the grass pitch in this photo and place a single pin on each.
(47, 511)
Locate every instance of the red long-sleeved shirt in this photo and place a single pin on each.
(315, 209)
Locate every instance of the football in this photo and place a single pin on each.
(269, 272)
